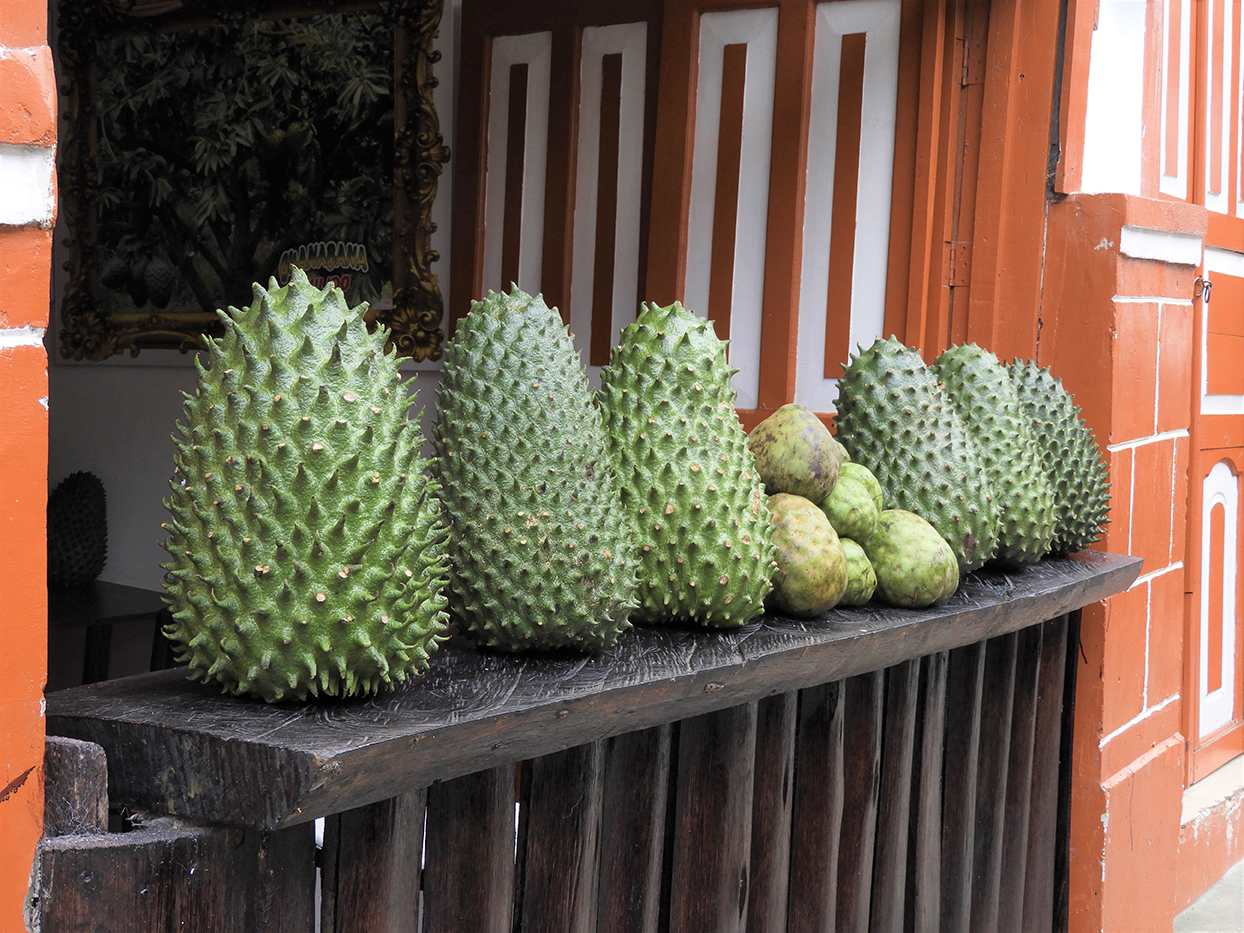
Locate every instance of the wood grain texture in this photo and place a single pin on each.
(563, 840)
(1043, 820)
(902, 694)
(183, 748)
(170, 876)
(962, 751)
(997, 700)
(370, 867)
(713, 822)
(817, 810)
(468, 878)
(637, 766)
(776, 720)
(75, 787)
(1019, 780)
(864, 699)
(924, 860)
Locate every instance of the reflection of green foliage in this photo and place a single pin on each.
(222, 147)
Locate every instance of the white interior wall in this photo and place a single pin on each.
(1113, 125)
(114, 418)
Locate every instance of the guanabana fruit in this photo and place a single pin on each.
(895, 419)
(795, 453)
(700, 522)
(915, 566)
(307, 551)
(983, 394)
(812, 569)
(1077, 474)
(77, 530)
(541, 552)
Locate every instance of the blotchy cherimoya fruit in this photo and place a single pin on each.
(851, 509)
(689, 486)
(915, 566)
(795, 453)
(812, 569)
(895, 419)
(541, 553)
(306, 548)
(861, 578)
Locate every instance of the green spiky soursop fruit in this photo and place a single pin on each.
(689, 484)
(988, 406)
(812, 568)
(77, 530)
(895, 419)
(915, 567)
(1077, 474)
(307, 548)
(540, 550)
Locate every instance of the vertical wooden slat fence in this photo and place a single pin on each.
(917, 795)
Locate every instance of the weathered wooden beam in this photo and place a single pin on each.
(75, 787)
(182, 748)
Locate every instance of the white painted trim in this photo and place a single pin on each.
(1113, 122)
(28, 180)
(879, 20)
(1138, 718)
(1174, 179)
(630, 40)
(27, 336)
(1182, 249)
(536, 51)
(1221, 487)
(1224, 262)
(1146, 577)
(1145, 441)
(758, 28)
(1149, 299)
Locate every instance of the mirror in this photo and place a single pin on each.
(214, 143)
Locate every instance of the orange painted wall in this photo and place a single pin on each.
(27, 118)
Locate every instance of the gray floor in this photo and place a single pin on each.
(1220, 909)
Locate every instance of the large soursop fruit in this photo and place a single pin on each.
(895, 419)
(1078, 476)
(77, 530)
(700, 522)
(540, 550)
(983, 394)
(307, 547)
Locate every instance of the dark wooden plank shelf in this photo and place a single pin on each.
(178, 747)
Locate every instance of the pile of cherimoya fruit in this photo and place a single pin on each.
(314, 551)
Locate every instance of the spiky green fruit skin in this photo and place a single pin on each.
(1072, 461)
(988, 405)
(861, 474)
(861, 578)
(915, 566)
(539, 549)
(77, 530)
(700, 522)
(795, 453)
(895, 419)
(851, 509)
(307, 548)
(812, 569)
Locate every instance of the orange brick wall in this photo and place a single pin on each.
(27, 132)
(1118, 330)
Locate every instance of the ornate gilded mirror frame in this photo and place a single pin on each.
(417, 313)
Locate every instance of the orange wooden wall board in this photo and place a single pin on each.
(1175, 368)
(21, 802)
(1135, 362)
(1142, 832)
(23, 24)
(1149, 278)
(1226, 306)
(26, 269)
(1119, 531)
(1123, 659)
(28, 105)
(1225, 369)
(1179, 526)
(1166, 636)
(1153, 502)
(1148, 732)
(1088, 801)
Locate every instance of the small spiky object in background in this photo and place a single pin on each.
(77, 530)
(1070, 456)
(689, 482)
(895, 418)
(988, 405)
(540, 550)
(306, 543)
